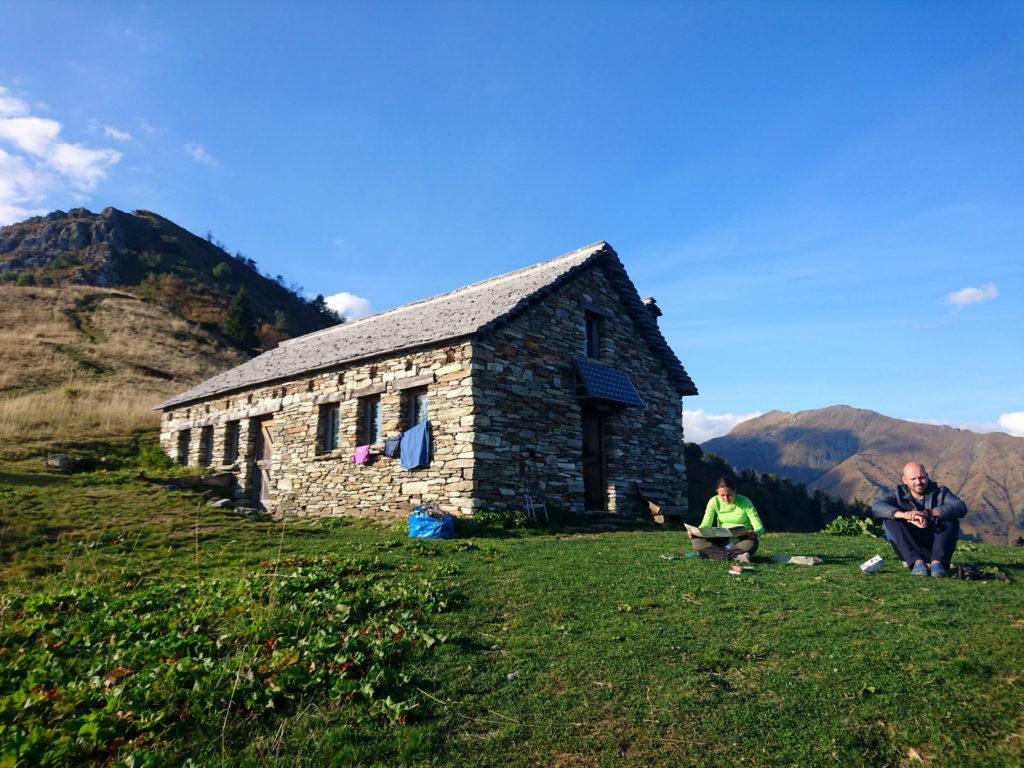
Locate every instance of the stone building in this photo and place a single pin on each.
(556, 373)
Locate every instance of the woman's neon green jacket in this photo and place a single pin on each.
(740, 512)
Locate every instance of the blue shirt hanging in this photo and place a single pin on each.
(415, 450)
(391, 446)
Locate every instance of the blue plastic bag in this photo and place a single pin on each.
(423, 526)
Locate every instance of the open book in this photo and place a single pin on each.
(717, 533)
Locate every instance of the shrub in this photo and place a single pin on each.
(853, 526)
(503, 518)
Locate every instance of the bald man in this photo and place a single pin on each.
(922, 520)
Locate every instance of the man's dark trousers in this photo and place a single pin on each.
(936, 541)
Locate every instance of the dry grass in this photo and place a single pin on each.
(59, 382)
(83, 408)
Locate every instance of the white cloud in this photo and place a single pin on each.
(966, 296)
(34, 135)
(147, 126)
(198, 153)
(348, 305)
(1012, 423)
(699, 426)
(113, 133)
(11, 106)
(41, 164)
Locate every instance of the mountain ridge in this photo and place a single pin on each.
(157, 260)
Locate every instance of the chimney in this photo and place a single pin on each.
(652, 307)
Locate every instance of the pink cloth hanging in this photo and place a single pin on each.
(361, 455)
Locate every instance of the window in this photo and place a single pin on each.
(328, 428)
(184, 441)
(592, 335)
(206, 447)
(414, 407)
(369, 420)
(231, 442)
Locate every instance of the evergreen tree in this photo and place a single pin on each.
(240, 324)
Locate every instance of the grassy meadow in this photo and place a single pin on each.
(141, 627)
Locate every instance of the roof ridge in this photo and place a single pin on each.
(596, 246)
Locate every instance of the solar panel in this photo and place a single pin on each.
(603, 383)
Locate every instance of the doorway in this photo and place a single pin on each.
(594, 487)
(264, 453)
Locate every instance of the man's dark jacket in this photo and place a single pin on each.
(935, 497)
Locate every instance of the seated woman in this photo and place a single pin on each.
(725, 510)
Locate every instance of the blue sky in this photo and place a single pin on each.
(826, 198)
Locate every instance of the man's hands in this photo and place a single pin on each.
(920, 519)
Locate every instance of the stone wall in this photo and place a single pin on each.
(526, 405)
(492, 403)
(304, 481)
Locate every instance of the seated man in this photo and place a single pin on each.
(922, 521)
(727, 509)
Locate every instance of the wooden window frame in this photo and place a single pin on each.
(328, 428)
(370, 421)
(410, 402)
(183, 447)
(205, 446)
(232, 441)
(593, 330)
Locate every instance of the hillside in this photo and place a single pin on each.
(102, 316)
(852, 453)
(79, 361)
(159, 261)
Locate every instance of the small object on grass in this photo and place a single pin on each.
(431, 522)
(512, 675)
(670, 557)
(736, 570)
(974, 572)
(691, 553)
(874, 565)
(798, 559)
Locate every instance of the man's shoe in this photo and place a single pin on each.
(919, 569)
(743, 557)
(938, 572)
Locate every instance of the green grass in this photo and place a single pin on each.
(562, 648)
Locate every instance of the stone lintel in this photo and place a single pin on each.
(372, 389)
(597, 309)
(333, 397)
(415, 381)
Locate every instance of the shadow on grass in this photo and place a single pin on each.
(32, 478)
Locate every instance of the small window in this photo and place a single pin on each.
(231, 442)
(415, 406)
(206, 447)
(184, 441)
(369, 420)
(592, 336)
(328, 428)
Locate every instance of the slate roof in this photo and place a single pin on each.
(473, 309)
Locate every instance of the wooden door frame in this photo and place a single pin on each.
(262, 466)
(588, 411)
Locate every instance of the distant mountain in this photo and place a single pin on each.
(158, 261)
(853, 453)
(103, 315)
